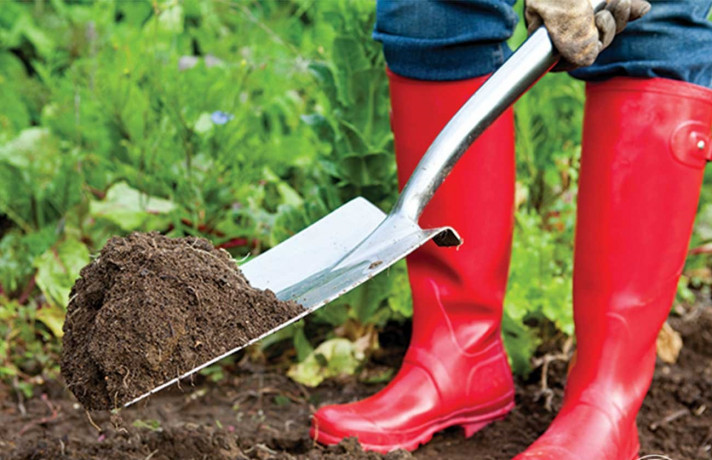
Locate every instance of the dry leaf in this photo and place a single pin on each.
(669, 344)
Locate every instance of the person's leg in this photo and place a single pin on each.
(673, 41)
(439, 40)
(645, 145)
(455, 371)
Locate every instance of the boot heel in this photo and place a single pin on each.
(472, 428)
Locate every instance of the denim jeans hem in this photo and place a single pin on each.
(424, 59)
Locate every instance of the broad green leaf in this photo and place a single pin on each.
(289, 196)
(130, 209)
(349, 57)
(333, 358)
(399, 299)
(52, 316)
(171, 18)
(366, 299)
(25, 29)
(334, 314)
(204, 124)
(58, 268)
(136, 11)
(25, 148)
(325, 76)
(301, 344)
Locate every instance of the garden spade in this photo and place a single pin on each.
(357, 241)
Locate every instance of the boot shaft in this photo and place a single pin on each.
(644, 149)
(477, 199)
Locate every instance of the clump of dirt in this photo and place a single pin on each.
(151, 308)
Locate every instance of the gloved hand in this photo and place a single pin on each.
(576, 32)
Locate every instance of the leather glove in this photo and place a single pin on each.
(576, 32)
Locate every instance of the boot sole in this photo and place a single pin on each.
(471, 425)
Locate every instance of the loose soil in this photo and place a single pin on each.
(258, 413)
(151, 308)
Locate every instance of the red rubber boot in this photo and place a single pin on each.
(455, 371)
(645, 145)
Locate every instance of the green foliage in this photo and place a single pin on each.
(58, 267)
(548, 122)
(355, 125)
(129, 209)
(183, 117)
(332, 358)
(243, 123)
(539, 289)
(148, 424)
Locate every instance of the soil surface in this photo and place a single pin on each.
(151, 308)
(256, 412)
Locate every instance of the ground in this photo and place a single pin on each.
(257, 412)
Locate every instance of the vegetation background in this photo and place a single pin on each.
(243, 122)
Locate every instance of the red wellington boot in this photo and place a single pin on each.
(455, 371)
(645, 145)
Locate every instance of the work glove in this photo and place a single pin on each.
(577, 33)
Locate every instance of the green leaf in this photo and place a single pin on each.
(23, 150)
(301, 344)
(325, 76)
(58, 268)
(171, 19)
(333, 358)
(399, 299)
(334, 314)
(130, 209)
(52, 316)
(135, 12)
(204, 124)
(149, 424)
(349, 57)
(366, 299)
(520, 343)
(25, 29)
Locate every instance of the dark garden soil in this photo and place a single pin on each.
(256, 412)
(151, 308)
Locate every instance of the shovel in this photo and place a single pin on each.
(357, 241)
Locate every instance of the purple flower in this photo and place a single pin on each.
(220, 118)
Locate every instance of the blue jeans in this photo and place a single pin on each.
(454, 40)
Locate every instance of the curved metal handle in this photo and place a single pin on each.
(529, 63)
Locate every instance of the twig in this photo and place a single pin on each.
(20, 397)
(48, 403)
(261, 447)
(91, 422)
(670, 418)
(543, 362)
(52, 417)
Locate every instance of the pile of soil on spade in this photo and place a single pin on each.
(151, 308)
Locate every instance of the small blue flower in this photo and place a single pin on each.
(220, 118)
